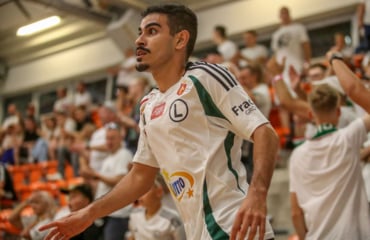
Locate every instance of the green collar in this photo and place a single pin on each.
(324, 129)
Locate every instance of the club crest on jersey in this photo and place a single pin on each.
(185, 86)
(157, 111)
(245, 107)
(180, 184)
(178, 110)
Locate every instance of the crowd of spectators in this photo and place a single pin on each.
(98, 141)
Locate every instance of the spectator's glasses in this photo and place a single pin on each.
(112, 126)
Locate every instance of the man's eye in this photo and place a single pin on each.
(152, 31)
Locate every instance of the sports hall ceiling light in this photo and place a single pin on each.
(38, 26)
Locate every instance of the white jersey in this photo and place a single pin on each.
(325, 174)
(164, 225)
(193, 133)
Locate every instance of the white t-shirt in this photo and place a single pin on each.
(287, 42)
(262, 98)
(114, 165)
(83, 99)
(34, 232)
(97, 157)
(254, 53)
(193, 133)
(63, 104)
(325, 174)
(164, 225)
(11, 120)
(227, 49)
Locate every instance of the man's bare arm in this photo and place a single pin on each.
(298, 217)
(137, 182)
(252, 213)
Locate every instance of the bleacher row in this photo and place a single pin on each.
(28, 178)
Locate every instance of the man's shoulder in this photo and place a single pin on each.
(209, 73)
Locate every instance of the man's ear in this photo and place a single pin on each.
(182, 39)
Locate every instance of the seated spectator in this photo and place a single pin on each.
(81, 117)
(79, 197)
(63, 103)
(44, 209)
(35, 146)
(114, 168)
(13, 117)
(252, 52)
(325, 175)
(154, 221)
(227, 48)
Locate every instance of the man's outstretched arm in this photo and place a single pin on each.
(137, 182)
(252, 213)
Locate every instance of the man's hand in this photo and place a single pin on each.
(69, 226)
(251, 217)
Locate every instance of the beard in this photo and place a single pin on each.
(142, 67)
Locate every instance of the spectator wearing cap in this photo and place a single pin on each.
(80, 196)
(113, 169)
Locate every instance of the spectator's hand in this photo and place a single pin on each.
(88, 173)
(69, 226)
(273, 67)
(250, 218)
(295, 78)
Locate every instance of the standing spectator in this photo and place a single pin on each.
(253, 52)
(44, 208)
(325, 175)
(227, 48)
(8, 195)
(363, 16)
(82, 96)
(63, 103)
(113, 169)
(154, 221)
(291, 42)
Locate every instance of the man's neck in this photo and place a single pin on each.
(168, 76)
(152, 210)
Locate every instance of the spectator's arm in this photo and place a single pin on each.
(307, 51)
(360, 14)
(109, 180)
(351, 84)
(15, 217)
(297, 217)
(129, 122)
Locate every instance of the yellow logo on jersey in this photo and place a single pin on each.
(180, 184)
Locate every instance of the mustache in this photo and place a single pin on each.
(143, 49)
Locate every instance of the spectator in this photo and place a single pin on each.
(63, 103)
(82, 96)
(136, 91)
(12, 118)
(227, 49)
(154, 221)
(44, 209)
(341, 46)
(291, 42)
(322, 208)
(11, 144)
(33, 142)
(253, 52)
(79, 197)
(363, 16)
(93, 157)
(113, 169)
(7, 192)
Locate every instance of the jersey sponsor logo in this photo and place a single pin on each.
(157, 111)
(178, 110)
(185, 86)
(180, 184)
(246, 107)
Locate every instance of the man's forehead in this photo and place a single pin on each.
(157, 18)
